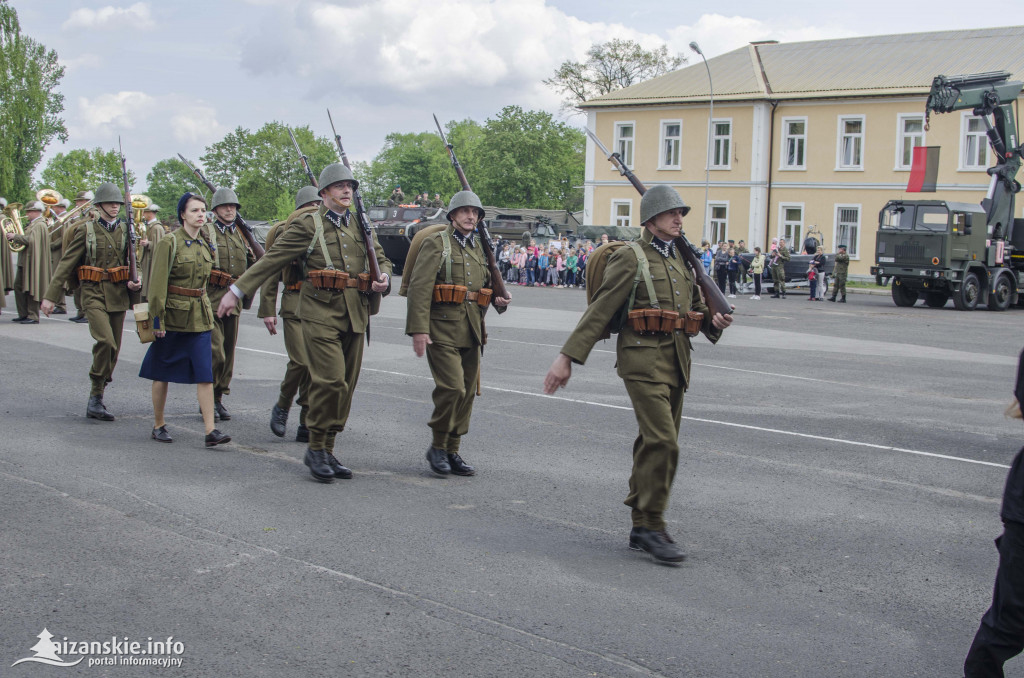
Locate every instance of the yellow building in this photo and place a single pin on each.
(808, 136)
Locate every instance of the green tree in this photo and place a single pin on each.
(167, 181)
(83, 170)
(610, 66)
(528, 159)
(30, 104)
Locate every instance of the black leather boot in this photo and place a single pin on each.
(302, 434)
(278, 421)
(316, 460)
(459, 467)
(437, 458)
(97, 410)
(658, 544)
(336, 467)
(221, 411)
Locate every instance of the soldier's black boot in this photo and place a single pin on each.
(278, 421)
(843, 300)
(459, 467)
(832, 298)
(97, 410)
(775, 296)
(316, 460)
(437, 458)
(80, 318)
(658, 544)
(221, 411)
(336, 467)
(302, 434)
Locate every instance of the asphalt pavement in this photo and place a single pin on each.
(837, 496)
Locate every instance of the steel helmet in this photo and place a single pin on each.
(108, 192)
(465, 199)
(306, 194)
(658, 199)
(224, 196)
(334, 173)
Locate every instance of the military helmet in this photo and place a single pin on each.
(84, 195)
(658, 199)
(465, 199)
(306, 194)
(334, 173)
(108, 192)
(224, 196)
(34, 205)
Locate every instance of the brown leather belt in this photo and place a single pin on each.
(294, 287)
(185, 291)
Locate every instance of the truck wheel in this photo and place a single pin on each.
(936, 299)
(1000, 297)
(966, 299)
(901, 295)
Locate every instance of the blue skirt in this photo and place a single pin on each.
(181, 358)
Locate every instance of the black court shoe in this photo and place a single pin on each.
(215, 437)
(161, 435)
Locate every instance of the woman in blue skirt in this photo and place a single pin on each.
(182, 318)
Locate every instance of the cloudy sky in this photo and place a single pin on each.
(176, 75)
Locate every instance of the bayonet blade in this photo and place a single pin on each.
(295, 142)
(440, 131)
(607, 153)
(332, 122)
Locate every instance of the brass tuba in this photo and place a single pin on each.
(49, 198)
(10, 222)
(139, 204)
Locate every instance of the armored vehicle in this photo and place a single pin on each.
(397, 225)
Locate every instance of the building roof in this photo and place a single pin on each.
(879, 65)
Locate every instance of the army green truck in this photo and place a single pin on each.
(939, 249)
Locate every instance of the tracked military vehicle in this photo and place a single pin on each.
(398, 224)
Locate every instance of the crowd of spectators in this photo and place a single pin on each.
(555, 265)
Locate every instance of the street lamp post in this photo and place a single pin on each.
(711, 116)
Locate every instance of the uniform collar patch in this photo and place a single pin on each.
(225, 228)
(665, 249)
(465, 240)
(109, 225)
(337, 219)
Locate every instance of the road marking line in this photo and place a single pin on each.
(749, 427)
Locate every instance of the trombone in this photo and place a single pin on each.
(10, 222)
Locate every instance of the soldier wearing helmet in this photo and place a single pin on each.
(334, 312)
(451, 332)
(296, 372)
(654, 362)
(231, 257)
(98, 252)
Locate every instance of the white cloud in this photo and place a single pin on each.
(717, 34)
(196, 123)
(87, 61)
(137, 16)
(110, 112)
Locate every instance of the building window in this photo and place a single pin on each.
(622, 212)
(719, 222)
(624, 139)
(851, 143)
(722, 143)
(792, 224)
(910, 134)
(975, 146)
(794, 143)
(848, 229)
(671, 141)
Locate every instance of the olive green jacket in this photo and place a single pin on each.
(232, 255)
(106, 295)
(344, 310)
(458, 325)
(783, 255)
(656, 358)
(184, 262)
(154, 232)
(842, 265)
(34, 259)
(268, 291)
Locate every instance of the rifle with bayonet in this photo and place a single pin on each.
(303, 159)
(133, 264)
(244, 228)
(497, 282)
(364, 220)
(713, 297)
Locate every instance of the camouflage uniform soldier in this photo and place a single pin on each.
(437, 202)
(33, 268)
(99, 244)
(231, 255)
(840, 271)
(154, 232)
(73, 287)
(451, 334)
(779, 258)
(334, 321)
(296, 374)
(397, 197)
(654, 366)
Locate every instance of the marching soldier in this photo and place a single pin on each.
(33, 272)
(232, 256)
(6, 267)
(655, 366)
(154, 232)
(296, 374)
(778, 265)
(57, 246)
(98, 252)
(451, 332)
(840, 271)
(334, 321)
(73, 287)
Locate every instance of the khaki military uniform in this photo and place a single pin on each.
(154, 232)
(6, 270)
(56, 251)
(104, 302)
(33, 269)
(334, 322)
(232, 255)
(296, 373)
(180, 261)
(72, 285)
(456, 330)
(840, 272)
(779, 270)
(655, 368)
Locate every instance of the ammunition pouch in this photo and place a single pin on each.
(658, 321)
(294, 287)
(95, 274)
(458, 294)
(219, 278)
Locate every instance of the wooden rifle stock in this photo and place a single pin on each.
(364, 220)
(133, 264)
(497, 282)
(713, 297)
